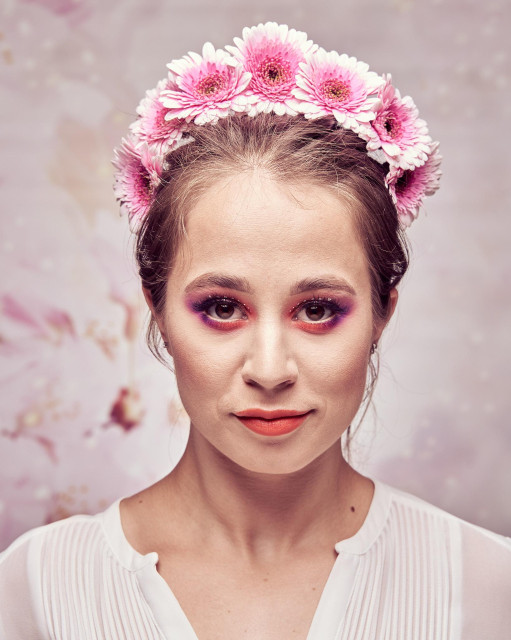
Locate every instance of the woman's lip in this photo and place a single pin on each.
(273, 427)
(269, 415)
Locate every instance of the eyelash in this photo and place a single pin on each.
(203, 305)
(337, 309)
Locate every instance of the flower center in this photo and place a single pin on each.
(144, 186)
(274, 71)
(336, 90)
(404, 182)
(392, 126)
(211, 84)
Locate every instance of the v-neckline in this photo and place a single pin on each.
(171, 618)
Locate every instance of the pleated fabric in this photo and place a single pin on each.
(84, 591)
(412, 572)
(408, 582)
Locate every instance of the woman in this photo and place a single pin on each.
(270, 247)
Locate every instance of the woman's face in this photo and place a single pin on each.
(270, 309)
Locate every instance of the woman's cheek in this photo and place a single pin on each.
(342, 363)
(199, 360)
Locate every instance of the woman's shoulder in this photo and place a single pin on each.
(42, 561)
(63, 573)
(475, 561)
(97, 540)
(70, 539)
(55, 535)
(413, 510)
(49, 552)
(471, 565)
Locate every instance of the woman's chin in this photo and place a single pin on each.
(275, 460)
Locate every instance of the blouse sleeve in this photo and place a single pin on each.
(486, 585)
(18, 594)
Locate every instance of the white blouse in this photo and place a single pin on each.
(412, 572)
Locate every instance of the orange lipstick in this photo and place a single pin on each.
(272, 423)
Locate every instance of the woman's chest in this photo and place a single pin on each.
(223, 602)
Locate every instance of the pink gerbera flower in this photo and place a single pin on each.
(271, 53)
(333, 84)
(408, 187)
(138, 174)
(398, 130)
(151, 126)
(208, 87)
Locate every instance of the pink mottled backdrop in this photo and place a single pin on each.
(86, 414)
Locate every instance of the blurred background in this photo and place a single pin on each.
(87, 415)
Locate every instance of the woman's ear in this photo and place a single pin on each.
(156, 318)
(381, 324)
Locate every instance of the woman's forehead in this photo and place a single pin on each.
(253, 225)
(251, 205)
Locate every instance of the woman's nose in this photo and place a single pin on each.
(269, 363)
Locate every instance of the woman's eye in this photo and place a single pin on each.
(314, 312)
(224, 310)
(227, 310)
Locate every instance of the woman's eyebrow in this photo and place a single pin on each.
(241, 284)
(323, 282)
(219, 280)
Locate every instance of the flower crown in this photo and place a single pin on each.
(274, 69)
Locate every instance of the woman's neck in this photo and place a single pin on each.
(264, 515)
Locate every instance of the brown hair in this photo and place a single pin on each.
(291, 150)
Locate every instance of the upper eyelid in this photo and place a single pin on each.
(211, 300)
(216, 299)
(325, 300)
(329, 302)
